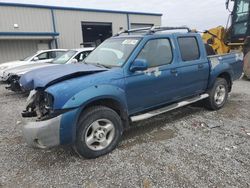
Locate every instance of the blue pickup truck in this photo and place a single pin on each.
(133, 76)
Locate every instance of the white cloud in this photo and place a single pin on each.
(195, 14)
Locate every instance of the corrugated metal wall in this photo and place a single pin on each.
(28, 19)
(16, 49)
(145, 19)
(69, 24)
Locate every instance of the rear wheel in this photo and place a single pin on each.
(218, 94)
(246, 67)
(99, 132)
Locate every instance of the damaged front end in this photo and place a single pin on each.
(39, 104)
(13, 84)
(45, 131)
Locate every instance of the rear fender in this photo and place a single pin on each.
(219, 69)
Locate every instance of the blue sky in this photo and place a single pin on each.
(197, 14)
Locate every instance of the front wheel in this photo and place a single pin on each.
(98, 133)
(218, 94)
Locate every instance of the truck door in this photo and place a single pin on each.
(193, 69)
(156, 85)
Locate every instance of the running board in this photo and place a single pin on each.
(168, 108)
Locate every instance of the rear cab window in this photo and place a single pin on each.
(189, 48)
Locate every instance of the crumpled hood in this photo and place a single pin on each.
(44, 77)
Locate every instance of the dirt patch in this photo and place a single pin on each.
(188, 147)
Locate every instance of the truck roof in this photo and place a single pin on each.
(141, 32)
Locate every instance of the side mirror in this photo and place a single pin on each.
(74, 61)
(139, 65)
(35, 59)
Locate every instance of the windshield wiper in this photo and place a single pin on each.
(96, 64)
(102, 66)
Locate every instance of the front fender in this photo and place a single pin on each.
(79, 101)
(94, 93)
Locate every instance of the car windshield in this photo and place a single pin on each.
(112, 52)
(241, 17)
(27, 58)
(65, 57)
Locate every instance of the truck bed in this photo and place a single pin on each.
(233, 62)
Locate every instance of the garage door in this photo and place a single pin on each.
(17, 49)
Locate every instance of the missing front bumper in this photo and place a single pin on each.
(43, 134)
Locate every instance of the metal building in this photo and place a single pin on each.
(26, 28)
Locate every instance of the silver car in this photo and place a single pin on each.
(42, 56)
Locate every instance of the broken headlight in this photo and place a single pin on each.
(44, 105)
(39, 104)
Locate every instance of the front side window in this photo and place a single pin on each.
(112, 52)
(189, 48)
(157, 52)
(65, 57)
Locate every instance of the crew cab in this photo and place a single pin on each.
(127, 78)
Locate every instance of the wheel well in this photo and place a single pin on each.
(227, 77)
(114, 105)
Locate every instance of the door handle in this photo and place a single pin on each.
(200, 66)
(174, 71)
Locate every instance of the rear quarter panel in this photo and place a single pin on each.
(231, 64)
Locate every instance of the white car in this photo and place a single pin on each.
(13, 75)
(42, 56)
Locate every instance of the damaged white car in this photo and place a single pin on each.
(42, 56)
(12, 76)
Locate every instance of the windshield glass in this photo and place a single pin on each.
(112, 52)
(65, 57)
(241, 17)
(26, 58)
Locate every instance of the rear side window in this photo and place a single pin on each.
(157, 52)
(189, 48)
(43, 56)
(52, 55)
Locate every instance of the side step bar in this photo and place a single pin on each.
(168, 108)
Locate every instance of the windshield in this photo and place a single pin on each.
(112, 52)
(241, 17)
(65, 57)
(26, 58)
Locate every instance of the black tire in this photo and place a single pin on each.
(91, 115)
(211, 102)
(246, 66)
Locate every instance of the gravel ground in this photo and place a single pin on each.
(189, 147)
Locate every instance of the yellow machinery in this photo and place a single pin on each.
(236, 37)
(215, 37)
